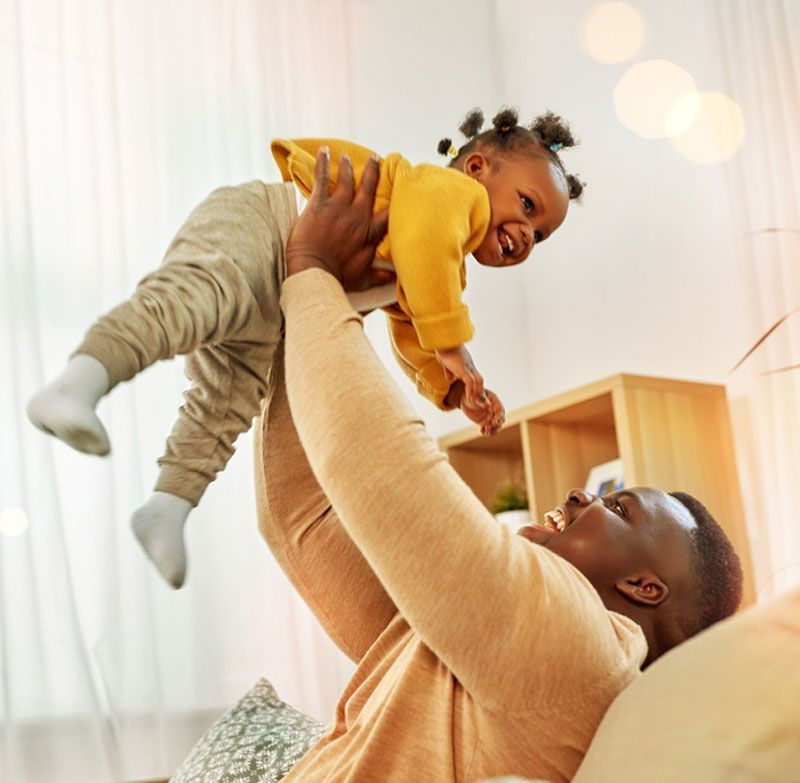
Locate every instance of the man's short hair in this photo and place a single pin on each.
(717, 568)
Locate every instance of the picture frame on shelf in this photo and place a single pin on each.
(606, 477)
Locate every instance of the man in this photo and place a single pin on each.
(479, 652)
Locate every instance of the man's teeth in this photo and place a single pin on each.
(555, 521)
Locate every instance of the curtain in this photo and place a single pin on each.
(116, 118)
(761, 56)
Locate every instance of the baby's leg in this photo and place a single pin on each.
(228, 385)
(229, 376)
(65, 407)
(196, 297)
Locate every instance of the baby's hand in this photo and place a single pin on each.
(458, 365)
(489, 421)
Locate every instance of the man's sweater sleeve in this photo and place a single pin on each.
(480, 597)
(305, 535)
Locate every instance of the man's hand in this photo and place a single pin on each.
(337, 231)
(489, 420)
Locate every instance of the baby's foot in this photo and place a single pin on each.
(158, 526)
(65, 408)
(57, 411)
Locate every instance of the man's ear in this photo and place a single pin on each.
(476, 165)
(643, 588)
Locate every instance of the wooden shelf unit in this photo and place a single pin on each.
(674, 435)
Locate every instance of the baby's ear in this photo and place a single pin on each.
(476, 165)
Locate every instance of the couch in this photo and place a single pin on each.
(723, 707)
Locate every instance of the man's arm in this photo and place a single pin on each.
(487, 602)
(306, 537)
(504, 615)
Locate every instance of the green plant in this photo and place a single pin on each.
(509, 497)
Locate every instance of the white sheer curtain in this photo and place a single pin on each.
(116, 118)
(762, 67)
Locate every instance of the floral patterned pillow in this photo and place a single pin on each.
(258, 741)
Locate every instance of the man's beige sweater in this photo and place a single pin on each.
(478, 652)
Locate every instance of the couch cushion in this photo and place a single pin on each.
(723, 707)
(258, 741)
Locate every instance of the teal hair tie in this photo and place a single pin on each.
(556, 147)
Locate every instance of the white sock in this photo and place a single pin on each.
(65, 407)
(158, 525)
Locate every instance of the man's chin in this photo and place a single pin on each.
(538, 534)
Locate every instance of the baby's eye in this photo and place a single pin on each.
(618, 507)
(527, 203)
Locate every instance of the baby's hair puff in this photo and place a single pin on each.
(544, 137)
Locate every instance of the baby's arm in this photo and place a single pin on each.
(437, 216)
(489, 415)
(431, 379)
(458, 366)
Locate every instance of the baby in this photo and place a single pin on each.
(216, 299)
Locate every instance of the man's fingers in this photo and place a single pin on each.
(321, 174)
(369, 179)
(344, 179)
(381, 276)
(380, 225)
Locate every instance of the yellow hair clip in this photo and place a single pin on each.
(452, 151)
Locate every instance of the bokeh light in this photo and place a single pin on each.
(13, 522)
(647, 95)
(613, 32)
(716, 132)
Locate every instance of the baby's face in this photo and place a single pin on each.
(528, 199)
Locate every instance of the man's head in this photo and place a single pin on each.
(660, 559)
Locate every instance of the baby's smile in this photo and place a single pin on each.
(506, 242)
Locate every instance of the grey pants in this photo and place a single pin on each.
(215, 298)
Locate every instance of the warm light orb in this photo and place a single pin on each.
(13, 522)
(613, 32)
(716, 132)
(646, 96)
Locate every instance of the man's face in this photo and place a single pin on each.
(616, 536)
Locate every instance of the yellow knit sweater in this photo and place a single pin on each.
(437, 216)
